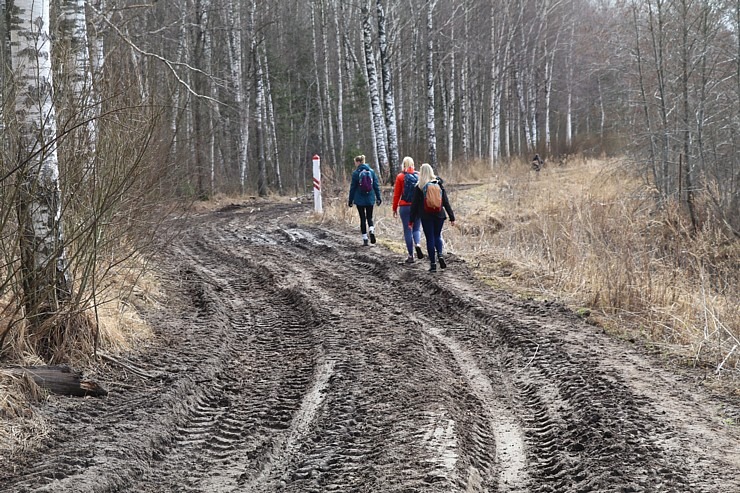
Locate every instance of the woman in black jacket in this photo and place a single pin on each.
(432, 206)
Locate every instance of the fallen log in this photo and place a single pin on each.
(60, 380)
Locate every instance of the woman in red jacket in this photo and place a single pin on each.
(403, 194)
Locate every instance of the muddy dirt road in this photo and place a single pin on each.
(292, 359)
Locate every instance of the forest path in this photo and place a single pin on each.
(293, 359)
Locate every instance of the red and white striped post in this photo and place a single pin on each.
(317, 183)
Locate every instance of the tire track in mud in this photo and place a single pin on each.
(510, 451)
(296, 361)
(589, 429)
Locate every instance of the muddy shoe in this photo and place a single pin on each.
(442, 262)
(364, 242)
(409, 260)
(433, 268)
(372, 237)
(419, 253)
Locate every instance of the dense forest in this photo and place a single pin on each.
(112, 107)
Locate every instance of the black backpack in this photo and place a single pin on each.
(409, 182)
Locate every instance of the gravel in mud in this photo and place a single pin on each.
(289, 358)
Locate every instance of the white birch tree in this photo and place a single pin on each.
(81, 104)
(372, 83)
(44, 265)
(260, 103)
(236, 67)
(464, 97)
(430, 124)
(390, 103)
(450, 107)
(271, 125)
(327, 88)
(336, 10)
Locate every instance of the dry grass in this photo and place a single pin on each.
(589, 233)
(21, 428)
(120, 329)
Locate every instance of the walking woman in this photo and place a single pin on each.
(364, 192)
(403, 194)
(430, 204)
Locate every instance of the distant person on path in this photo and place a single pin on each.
(430, 204)
(403, 194)
(537, 162)
(364, 192)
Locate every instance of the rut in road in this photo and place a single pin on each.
(294, 360)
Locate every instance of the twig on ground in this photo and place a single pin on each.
(530, 359)
(719, 368)
(131, 368)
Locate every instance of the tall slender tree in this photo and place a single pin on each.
(372, 82)
(390, 103)
(431, 126)
(44, 264)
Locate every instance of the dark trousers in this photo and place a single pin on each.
(366, 217)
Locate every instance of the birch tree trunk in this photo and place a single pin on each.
(259, 110)
(372, 82)
(569, 88)
(464, 97)
(198, 106)
(180, 97)
(655, 14)
(495, 115)
(501, 26)
(413, 120)
(327, 92)
(451, 104)
(643, 100)
(236, 66)
(431, 131)
(688, 163)
(340, 85)
(272, 126)
(549, 57)
(211, 113)
(390, 104)
(81, 105)
(44, 265)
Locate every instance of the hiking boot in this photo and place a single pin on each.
(409, 260)
(432, 267)
(442, 262)
(372, 237)
(364, 242)
(419, 253)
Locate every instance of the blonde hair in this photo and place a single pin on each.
(360, 159)
(426, 174)
(408, 162)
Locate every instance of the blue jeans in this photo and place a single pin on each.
(412, 236)
(433, 233)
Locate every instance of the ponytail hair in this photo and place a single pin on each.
(360, 159)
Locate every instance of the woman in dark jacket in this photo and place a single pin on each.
(365, 200)
(432, 220)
